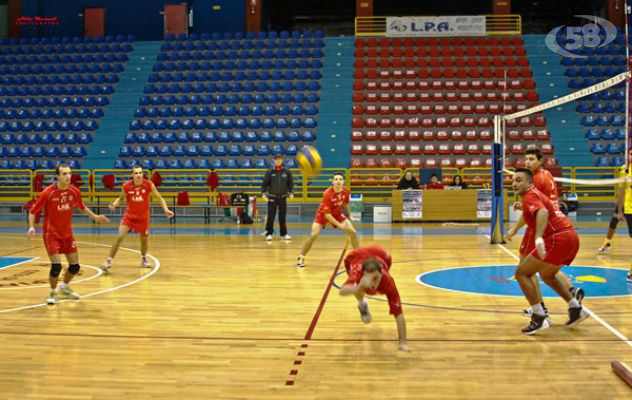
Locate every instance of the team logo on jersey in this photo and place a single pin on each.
(137, 198)
(63, 207)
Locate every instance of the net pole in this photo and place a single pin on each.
(497, 220)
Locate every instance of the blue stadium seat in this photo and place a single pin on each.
(120, 164)
(206, 150)
(290, 163)
(203, 164)
(192, 151)
(165, 151)
(251, 136)
(221, 150)
(607, 134)
(151, 151)
(174, 163)
(597, 148)
(602, 162)
(125, 151)
(232, 163)
(261, 163)
(308, 136)
(263, 150)
(217, 163)
(235, 150)
(620, 134)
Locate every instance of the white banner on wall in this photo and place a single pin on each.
(412, 204)
(483, 203)
(473, 25)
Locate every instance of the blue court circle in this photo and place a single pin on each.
(498, 280)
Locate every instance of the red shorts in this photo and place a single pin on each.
(320, 219)
(137, 225)
(56, 245)
(561, 248)
(528, 243)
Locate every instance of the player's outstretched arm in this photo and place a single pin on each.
(541, 220)
(401, 332)
(348, 210)
(31, 231)
(118, 200)
(101, 219)
(162, 201)
(512, 232)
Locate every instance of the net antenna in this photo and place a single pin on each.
(626, 15)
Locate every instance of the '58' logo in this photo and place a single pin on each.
(581, 36)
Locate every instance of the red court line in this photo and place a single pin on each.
(312, 326)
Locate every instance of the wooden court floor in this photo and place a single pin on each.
(225, 317)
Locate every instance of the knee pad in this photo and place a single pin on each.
(73, 268)
(614, 222)
(55, 270)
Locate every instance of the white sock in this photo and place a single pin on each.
(362, 302)
(537, 309)
(573, 303)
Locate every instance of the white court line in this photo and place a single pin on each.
(592, 314)
(152, 272)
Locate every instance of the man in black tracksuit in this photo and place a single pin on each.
(276, 187)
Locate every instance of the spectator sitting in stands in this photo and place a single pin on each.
(434, 183)
(408, 182)
(457, 183)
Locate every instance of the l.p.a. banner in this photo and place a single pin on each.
(472, 25)
(483, 203)
(412, 204)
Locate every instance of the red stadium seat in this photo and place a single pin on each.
(415, 162)
(371, 135)
(370, 163)
(542, 134)
(415, 149)
(444, 148)
(546, 148)
(486, 135)
(401, 163)
(357, 122)
(371, 149)
(430, 162)
(429, 135)
(357, 149)
(414, 135)
(456, 135)
(400, 135)
(458, 148)
(442, 135)
(356, 162)
(460, 163)
(401, 149)
(357, 136)
(429, 149)
(471, 135)
(386, 136)
(473, 148)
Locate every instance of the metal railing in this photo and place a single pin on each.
(375, 184)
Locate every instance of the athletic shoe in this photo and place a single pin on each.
(365, 315)
(105, 267)
(300, 261)
(144, 263)
(269, 238)
(604, 248)
(286, 237)
(578, 294)
(529, 311)
(264, 233)
(538, 323)
(52, 297)
(576, 315)
(629, 278)
(66, 291)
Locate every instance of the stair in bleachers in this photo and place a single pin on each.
(111, 134)
(571, 147)
(333, 139)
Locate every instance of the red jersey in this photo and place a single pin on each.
(57, 205)
(353, 265)
(431, 185)
(544, 182)
(333, 201)
(137, 199)
(534, 200)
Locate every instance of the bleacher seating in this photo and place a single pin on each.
(603, 113)
(53, 92)
(434, 100)
(233, 99)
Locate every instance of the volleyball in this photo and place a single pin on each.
(309, 161)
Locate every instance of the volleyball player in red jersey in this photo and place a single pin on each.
(556, 244)
(136, 218)
(368, 269)
(330, 212)
(57, 201)
(544, 182)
